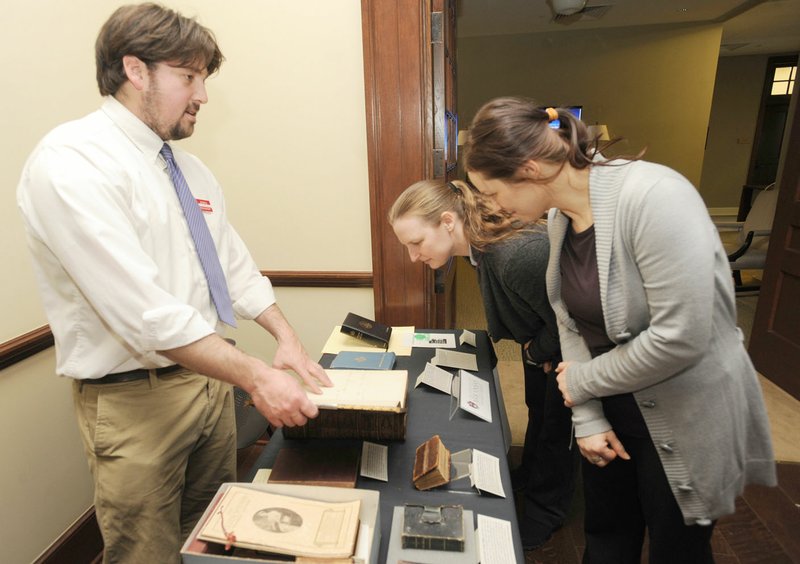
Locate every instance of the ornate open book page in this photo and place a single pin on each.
(364, 389)
(269, 522)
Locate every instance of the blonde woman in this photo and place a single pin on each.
(436, 221)
(667, 408)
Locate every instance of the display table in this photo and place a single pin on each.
(428, 414)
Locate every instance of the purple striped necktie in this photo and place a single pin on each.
(203, 241)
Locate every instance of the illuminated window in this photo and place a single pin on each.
(783, 80)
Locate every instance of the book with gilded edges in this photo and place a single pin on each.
(364, 360)
(369, 331)
(433, 527)
(431, 464)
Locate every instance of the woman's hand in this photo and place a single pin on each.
(561, 370)
(602, 448)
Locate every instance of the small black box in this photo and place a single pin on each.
(371, 332)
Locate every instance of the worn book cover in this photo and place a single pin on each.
(362, 404)
(367, 330)
(433, 527)
(316, 464)
(263, 521)
(364, 360)
(431, 464)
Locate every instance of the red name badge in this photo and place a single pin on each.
(205, 206)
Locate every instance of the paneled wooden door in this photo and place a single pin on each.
(775, 340)
(409, 95)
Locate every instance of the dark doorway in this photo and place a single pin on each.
(770, 127)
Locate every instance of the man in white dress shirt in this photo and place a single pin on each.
(127, 298)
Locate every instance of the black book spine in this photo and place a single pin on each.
(364, 337)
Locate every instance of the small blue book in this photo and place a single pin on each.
(364, 360)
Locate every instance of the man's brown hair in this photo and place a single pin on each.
(153, 34)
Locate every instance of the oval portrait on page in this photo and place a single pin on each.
(277, 519)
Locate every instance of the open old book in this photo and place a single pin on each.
(362, 404)
(282, 524)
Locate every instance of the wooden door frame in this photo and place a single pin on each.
(767, 348)
(398, 92)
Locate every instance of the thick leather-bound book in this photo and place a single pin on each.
(362, 404)
(364, 360)
(431, 464)
(367, 330)
(317, 465)
(437, 527)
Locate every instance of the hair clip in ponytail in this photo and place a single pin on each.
(552, 114)
(455, 189)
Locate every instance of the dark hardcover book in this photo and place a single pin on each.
(364, 360)
(317, 465)
(369, 424)
(438, 527)
(371, 332)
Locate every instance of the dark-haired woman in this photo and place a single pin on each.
(667, 408)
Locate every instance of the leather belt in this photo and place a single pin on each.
(131, 375)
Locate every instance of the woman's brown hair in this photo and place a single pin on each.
(507, 132)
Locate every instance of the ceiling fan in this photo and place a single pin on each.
(568, 11)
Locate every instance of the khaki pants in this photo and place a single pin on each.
(158, 450)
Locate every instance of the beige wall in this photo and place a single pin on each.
(653, 86)
(284, 132)
(734, 113)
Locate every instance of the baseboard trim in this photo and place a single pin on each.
(81, 543)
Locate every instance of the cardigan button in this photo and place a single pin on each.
(685, 488)
(666, 447)
(648, 403)
(623, 336)
(703, 522)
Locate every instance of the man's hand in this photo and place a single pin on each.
(281, 399)
(292, 356)
(602, 448)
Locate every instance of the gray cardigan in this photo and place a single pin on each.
(667, 297)
(511, 276)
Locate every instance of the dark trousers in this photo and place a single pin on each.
(627, 496)
(549, 458)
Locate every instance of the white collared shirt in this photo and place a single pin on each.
(114, 259)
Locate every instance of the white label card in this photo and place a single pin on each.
(474, 396)
(435, 340)
(485, 473)
(435, 377)
(495, 541)
(375, 461)
(467, 337)
(455, 359)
